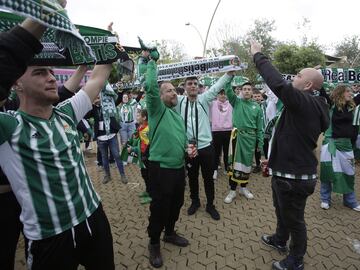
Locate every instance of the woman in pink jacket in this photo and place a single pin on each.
(221, 126)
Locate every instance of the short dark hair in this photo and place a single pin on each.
(256, 92)
(191, 79)
(144, 113)
(179, 90)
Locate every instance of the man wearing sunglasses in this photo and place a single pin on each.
(194, 109)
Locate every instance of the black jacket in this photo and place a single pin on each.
(304, 117)
(17, 48)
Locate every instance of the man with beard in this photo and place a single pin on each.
(166, 163)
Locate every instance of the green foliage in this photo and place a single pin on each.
(291, 58)
(349, 47)
(235, 44)
(170, 51)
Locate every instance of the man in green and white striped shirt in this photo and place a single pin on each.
(41, 155)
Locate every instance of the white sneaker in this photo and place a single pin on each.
(246, 193)
(125, 163)
(215, 174)
(357, 208)
(326, 206)
(230, 197)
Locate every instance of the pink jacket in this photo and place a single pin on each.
(221, 116)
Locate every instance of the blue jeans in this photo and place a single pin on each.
(126, 131)
(349, 199)
(114, 149)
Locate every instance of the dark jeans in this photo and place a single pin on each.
(10, 227)
(257, 155)
(113, 145)
(221, 140)
(289, 197)
(145, 176)
(266, 147)
(90, 244)
(167, 187)
(205, 160)
(99, 158)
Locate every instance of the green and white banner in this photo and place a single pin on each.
(341, 75)
(199, 67)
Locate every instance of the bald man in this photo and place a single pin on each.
(292, 161)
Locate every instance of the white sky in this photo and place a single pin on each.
(330, 20)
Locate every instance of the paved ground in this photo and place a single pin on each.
(231, 243)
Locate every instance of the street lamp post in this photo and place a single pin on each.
(197, 30)
(207, 34)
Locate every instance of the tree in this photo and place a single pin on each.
(170, 51)
(350, 47)
(233, 43)
(291, 58)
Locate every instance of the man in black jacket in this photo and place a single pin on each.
(292, 159)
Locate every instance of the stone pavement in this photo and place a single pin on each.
(233, 242)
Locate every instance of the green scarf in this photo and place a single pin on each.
(51, 14)
(108, 108)
(94, 45)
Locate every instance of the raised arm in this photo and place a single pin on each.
(214, 90)
(153, 101)
(97, 80)
(17, 48)
(230, 94)
(291, 97)
(73, 83)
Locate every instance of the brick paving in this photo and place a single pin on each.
(233, 242)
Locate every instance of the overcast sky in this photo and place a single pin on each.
(330, 20)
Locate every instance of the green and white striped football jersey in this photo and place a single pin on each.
(45, 167)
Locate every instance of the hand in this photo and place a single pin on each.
(231, 73)
(110, 26)
(86, 137)
(62, 3)
(191, 151)
(255, 47)
(129, 149)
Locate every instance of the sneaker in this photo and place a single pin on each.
(155, 258)
(193, 208)
(230, 197)
(213, 212)
(269, 241)
(176, 240)
(123, 179)
(357, 208)
(325, 205)
(244, 191)
(125, 163)
(257, 169)
(145, 200)
(106, 179)
(215, 174)
(288, 263)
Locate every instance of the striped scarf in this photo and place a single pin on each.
(87, 46)
(108, 108)
(51, 14)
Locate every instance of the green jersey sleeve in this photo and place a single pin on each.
(8, 125)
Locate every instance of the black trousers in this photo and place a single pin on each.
(234, 184)
(266, 147)
(89, 243)
(221, 140)
(205, 160)
(289, 197)
(10, 227)
(167, 187)
(257, 154)
(145, 175)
